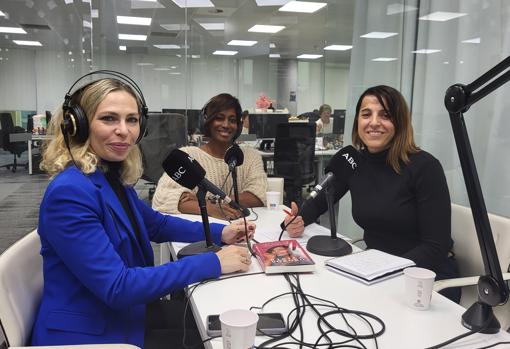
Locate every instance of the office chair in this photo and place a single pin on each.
(294, 154)
(15, 148)
(469, 258)
(21, 287)
(166, 131)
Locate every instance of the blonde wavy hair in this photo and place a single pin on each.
(394, 104)
(56, 157)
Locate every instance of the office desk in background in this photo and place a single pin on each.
(29, 138)
(406, 328)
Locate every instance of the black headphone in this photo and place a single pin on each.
(75, 122)
(203, 118)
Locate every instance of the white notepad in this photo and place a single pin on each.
(369, 266)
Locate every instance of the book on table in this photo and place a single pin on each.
(369, 266)
(285, 256)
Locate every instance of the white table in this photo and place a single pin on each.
(29, 138)
(405, 327)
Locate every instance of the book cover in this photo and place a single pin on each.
(285, 256)
(369, 266)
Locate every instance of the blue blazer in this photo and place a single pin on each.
(97, 276)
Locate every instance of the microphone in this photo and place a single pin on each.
(234, 156)
(339, 170)
(341, 167)
(186, 171)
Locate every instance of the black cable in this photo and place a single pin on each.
(292, 220)
(493, 345)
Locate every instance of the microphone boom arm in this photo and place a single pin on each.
(492, 289)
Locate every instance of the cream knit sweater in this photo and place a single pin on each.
(250, 178)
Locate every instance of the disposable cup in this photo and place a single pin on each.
(418, 285)
(238, 328)
(273, 199)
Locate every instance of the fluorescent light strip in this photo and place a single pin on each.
(302, 6)
(441, 16)
(472, 41)
(212, 26)
(308, 56)
(274, 55)
(122, 48)
(378, 35)
(175, 27)
(162, 69)
(241, 43)
(12, 30)
(384, 59)
(426, 51)
(143, 64)
(262, 28)
(134, 20)
(272, 45)
(393, 9)
(224, 53)
(2, 14)
(27, 43)
(168, 47)
(338, 47)
(132, 37)
(271, 2)
(193, 3)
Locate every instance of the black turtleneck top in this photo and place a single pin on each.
(406, 214)
(112, 174)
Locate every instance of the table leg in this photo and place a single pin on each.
(29, 142)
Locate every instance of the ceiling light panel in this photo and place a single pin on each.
(12, 30)
(122, 48)
(2, 14)
(241, 43)
(134, 20)
(94, 13)
(472, 41)
(213, 26)
(378, 35)
(441, 16)
(426, 51)
(271, 2)
(396, 8)
(274, 55)
(302, 6)
(175, 27)
(308, 56)
(224, 53)
(384, 59)
(262, 28)
(27, 43)
(168, 47)
(338, 47)
(132, 37)
(193, 3)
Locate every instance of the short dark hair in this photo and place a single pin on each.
(217, 104)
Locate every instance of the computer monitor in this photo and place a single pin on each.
(339, 123)
(265, 125)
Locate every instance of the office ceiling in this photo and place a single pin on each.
(71, 25)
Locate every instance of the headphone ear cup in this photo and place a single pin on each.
(76, 123)
(201, 120)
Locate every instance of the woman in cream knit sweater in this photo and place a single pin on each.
(222, 119)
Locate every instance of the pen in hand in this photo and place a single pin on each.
(288, 212)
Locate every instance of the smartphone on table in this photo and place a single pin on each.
(269, 323)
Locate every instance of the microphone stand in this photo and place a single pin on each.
(324, 245)
(201, 246)
(492, 289)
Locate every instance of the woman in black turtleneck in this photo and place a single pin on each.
(399, 192)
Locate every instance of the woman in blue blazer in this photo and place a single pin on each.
(98, 263)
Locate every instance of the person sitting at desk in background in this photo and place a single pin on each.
(325, 123)
(98, 263)
(245, 117)
(222, 124)
(399, 192)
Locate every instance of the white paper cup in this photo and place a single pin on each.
(238, 328)
(273, 199)
(419, 283)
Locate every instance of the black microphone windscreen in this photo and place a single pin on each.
(344, 163)
(234, 153)
(183, 169)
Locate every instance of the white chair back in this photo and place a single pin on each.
(21, 285)
(469, 257)
(276, 184)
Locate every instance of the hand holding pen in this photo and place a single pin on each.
(296, 228)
